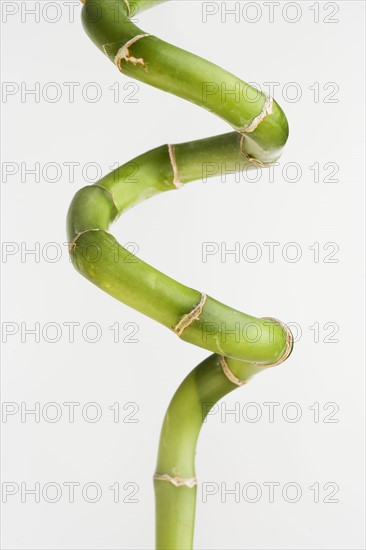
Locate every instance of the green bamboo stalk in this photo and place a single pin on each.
(242, 344)
(100, 258)
(160, 64)
(96, 253)
(175, 479)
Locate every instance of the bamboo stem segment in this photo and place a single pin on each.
(211, 380)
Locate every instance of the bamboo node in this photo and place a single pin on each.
(266, 111)
(128, 6)
(190, 317)
(72, 244)
(109, 193)
(251, 160)
(124, 53)
(173, 161)
(289, 342)
(229, 373)
(177, 481)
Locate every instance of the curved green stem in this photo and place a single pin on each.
(175, 477)
(153, 61)
(242, 344)
(99, 257)
(195, 318)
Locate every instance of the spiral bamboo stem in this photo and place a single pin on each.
(242, 345)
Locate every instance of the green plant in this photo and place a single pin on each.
(260, 132)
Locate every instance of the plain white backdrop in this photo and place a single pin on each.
(311, 451)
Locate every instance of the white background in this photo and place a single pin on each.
(169, 230)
